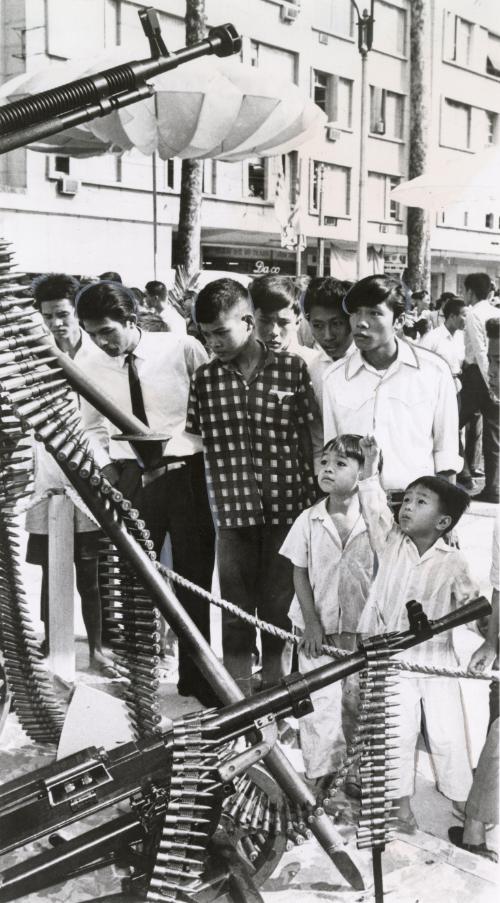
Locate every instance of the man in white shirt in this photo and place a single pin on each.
(447, 340)
(401, 393)
(148, 374)
(475, 396)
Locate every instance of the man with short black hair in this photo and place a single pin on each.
(148, 375)
(329, 325)
(157, 299)
(447, 339)
(401, 393)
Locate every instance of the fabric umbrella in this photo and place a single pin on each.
(208, 108)
(473, 180)
(76, 142)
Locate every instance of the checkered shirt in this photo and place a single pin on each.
(256, 439)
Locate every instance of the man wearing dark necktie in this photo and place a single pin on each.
(134, 382)
(148, 374)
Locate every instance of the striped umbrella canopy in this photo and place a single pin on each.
(209, 108)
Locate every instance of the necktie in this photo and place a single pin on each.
(138, 409)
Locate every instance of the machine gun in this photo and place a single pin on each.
(184, 789)
(24, 121)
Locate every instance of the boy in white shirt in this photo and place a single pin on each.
(329, 548)
(415, 563)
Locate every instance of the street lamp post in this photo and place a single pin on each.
(365, 41)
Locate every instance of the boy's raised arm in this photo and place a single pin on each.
(373, 502)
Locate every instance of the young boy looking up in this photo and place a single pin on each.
(415, 562)
(332, 559)
(329, 325)
(254, 410)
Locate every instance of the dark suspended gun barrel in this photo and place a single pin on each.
(33, 118)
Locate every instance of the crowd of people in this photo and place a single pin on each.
(317, 459)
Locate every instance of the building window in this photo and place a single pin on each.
(255, 186)
(491, 125)
(336, 186)
(334, 16)
(489, 221)
(386, 113)
(389, 33)
(466, 218)
(381, 207)
(281, 64)
(457, 39)
(62, 164)
(394, 209)
(493, 55)
(334, 96)
(455, 124)
(170, 174)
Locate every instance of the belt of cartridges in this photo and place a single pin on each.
(180, 855)
(378, 758)
(35, 397)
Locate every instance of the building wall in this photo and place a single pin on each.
(113, 198)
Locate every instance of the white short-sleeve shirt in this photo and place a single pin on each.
(340, 577)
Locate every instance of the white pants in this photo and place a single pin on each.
(439, 701)
(323, 733)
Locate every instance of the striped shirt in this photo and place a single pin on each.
(256, 439)
(439, 580)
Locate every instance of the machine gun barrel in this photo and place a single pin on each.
(33, 118)
(285, 699)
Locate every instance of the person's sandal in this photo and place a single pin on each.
(456, 836)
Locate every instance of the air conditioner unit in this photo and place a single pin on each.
(331, 221)
(289, 12)
(322, 37)
(332, 133)
(379, 127)
(383, 227)
(68, 186)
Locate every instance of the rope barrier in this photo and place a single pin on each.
(332, 651)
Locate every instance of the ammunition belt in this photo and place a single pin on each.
(180, 856)
(36, 397)
(379, 753)
(35, 702)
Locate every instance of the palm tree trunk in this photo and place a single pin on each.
(189, 234)
(419, 248)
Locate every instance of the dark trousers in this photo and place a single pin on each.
(475, 398)
(255, 577)
(177, 503)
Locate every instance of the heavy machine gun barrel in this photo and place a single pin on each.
(34, 118)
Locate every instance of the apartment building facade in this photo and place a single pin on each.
(95, 214)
